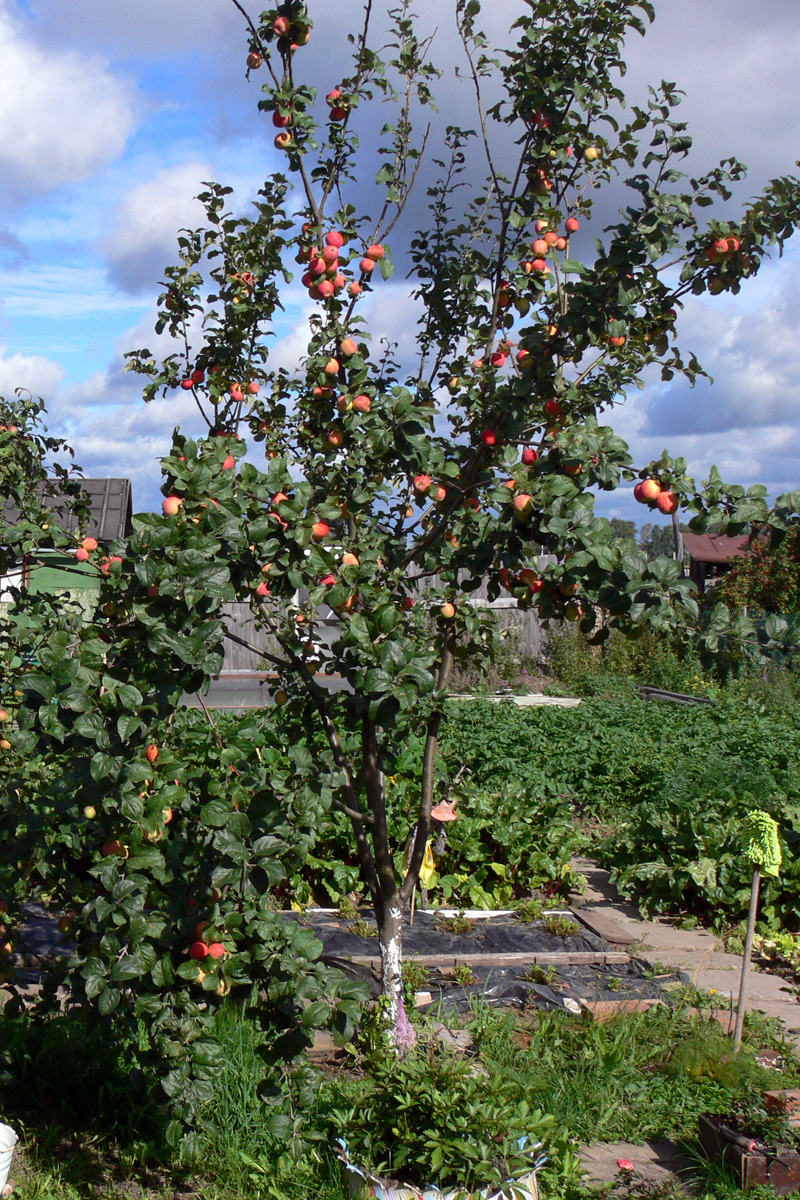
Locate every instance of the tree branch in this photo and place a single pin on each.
(417, 856)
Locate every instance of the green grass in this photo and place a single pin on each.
(645, 1076)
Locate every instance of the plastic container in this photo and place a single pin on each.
(8, 1140)
(363, 1186)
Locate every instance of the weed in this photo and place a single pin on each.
(347, 910)
(464, 975)
(529, 910)
(614, 983)
(657, 970)
(561, 927)
(456, 924)
(362, 928)
(537, 974)
(415, 975)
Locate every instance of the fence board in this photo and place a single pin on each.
(522, 629)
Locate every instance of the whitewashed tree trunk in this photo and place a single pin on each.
(390, 931)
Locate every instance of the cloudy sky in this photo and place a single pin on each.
(112, 113)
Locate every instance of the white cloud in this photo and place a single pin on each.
(63, 114)
(60, 292)
(32, 372)
(146, 224)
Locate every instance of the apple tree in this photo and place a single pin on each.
(383, 485)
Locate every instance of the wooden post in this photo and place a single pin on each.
(748, 950)
(676, 533)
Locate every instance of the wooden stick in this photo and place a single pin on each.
(748, 950)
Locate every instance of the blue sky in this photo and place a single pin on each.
(112, 114)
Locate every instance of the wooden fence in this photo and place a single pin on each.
(520, 628)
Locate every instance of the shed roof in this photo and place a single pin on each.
(716, 547)
(110, 506)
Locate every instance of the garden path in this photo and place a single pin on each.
(696, 952)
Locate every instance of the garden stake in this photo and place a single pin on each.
(763, 849)
(748, 950)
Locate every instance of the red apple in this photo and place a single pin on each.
(113, 847)
(254, 387)
(281, 26)
(216, 950)
(529, 456)
(553, 408)
(374, 251)
(320, 530)
(81, 554)
(198, 950)
(651, 490)
(367, 265)
(572, 225)
(667, 503)
(187, 384)
(229, 463)
(283, 140)
(349, 347)
(328, 580)
(332, 366)
(253, 60)
(489, 437)
(151, 754)
(280, 120)
(334, 238)
(523, 504)
(325, 289)
(354, 288)
(262, 590)
(498, 359)
(422, 483)
(540, 247)
(362, 403)
(171, 505)
(448, 611)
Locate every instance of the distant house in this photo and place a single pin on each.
(110, 517)
(710, 556)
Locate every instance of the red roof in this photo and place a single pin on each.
(716, 548)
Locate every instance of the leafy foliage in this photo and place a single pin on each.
(433, 1118)
(766, 578)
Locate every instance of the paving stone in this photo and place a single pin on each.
(655, 1161)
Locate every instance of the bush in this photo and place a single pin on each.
(434, 1118)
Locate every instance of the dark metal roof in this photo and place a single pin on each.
(715, 548)
(109, 502)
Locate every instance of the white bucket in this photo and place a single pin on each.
(8, 1140)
